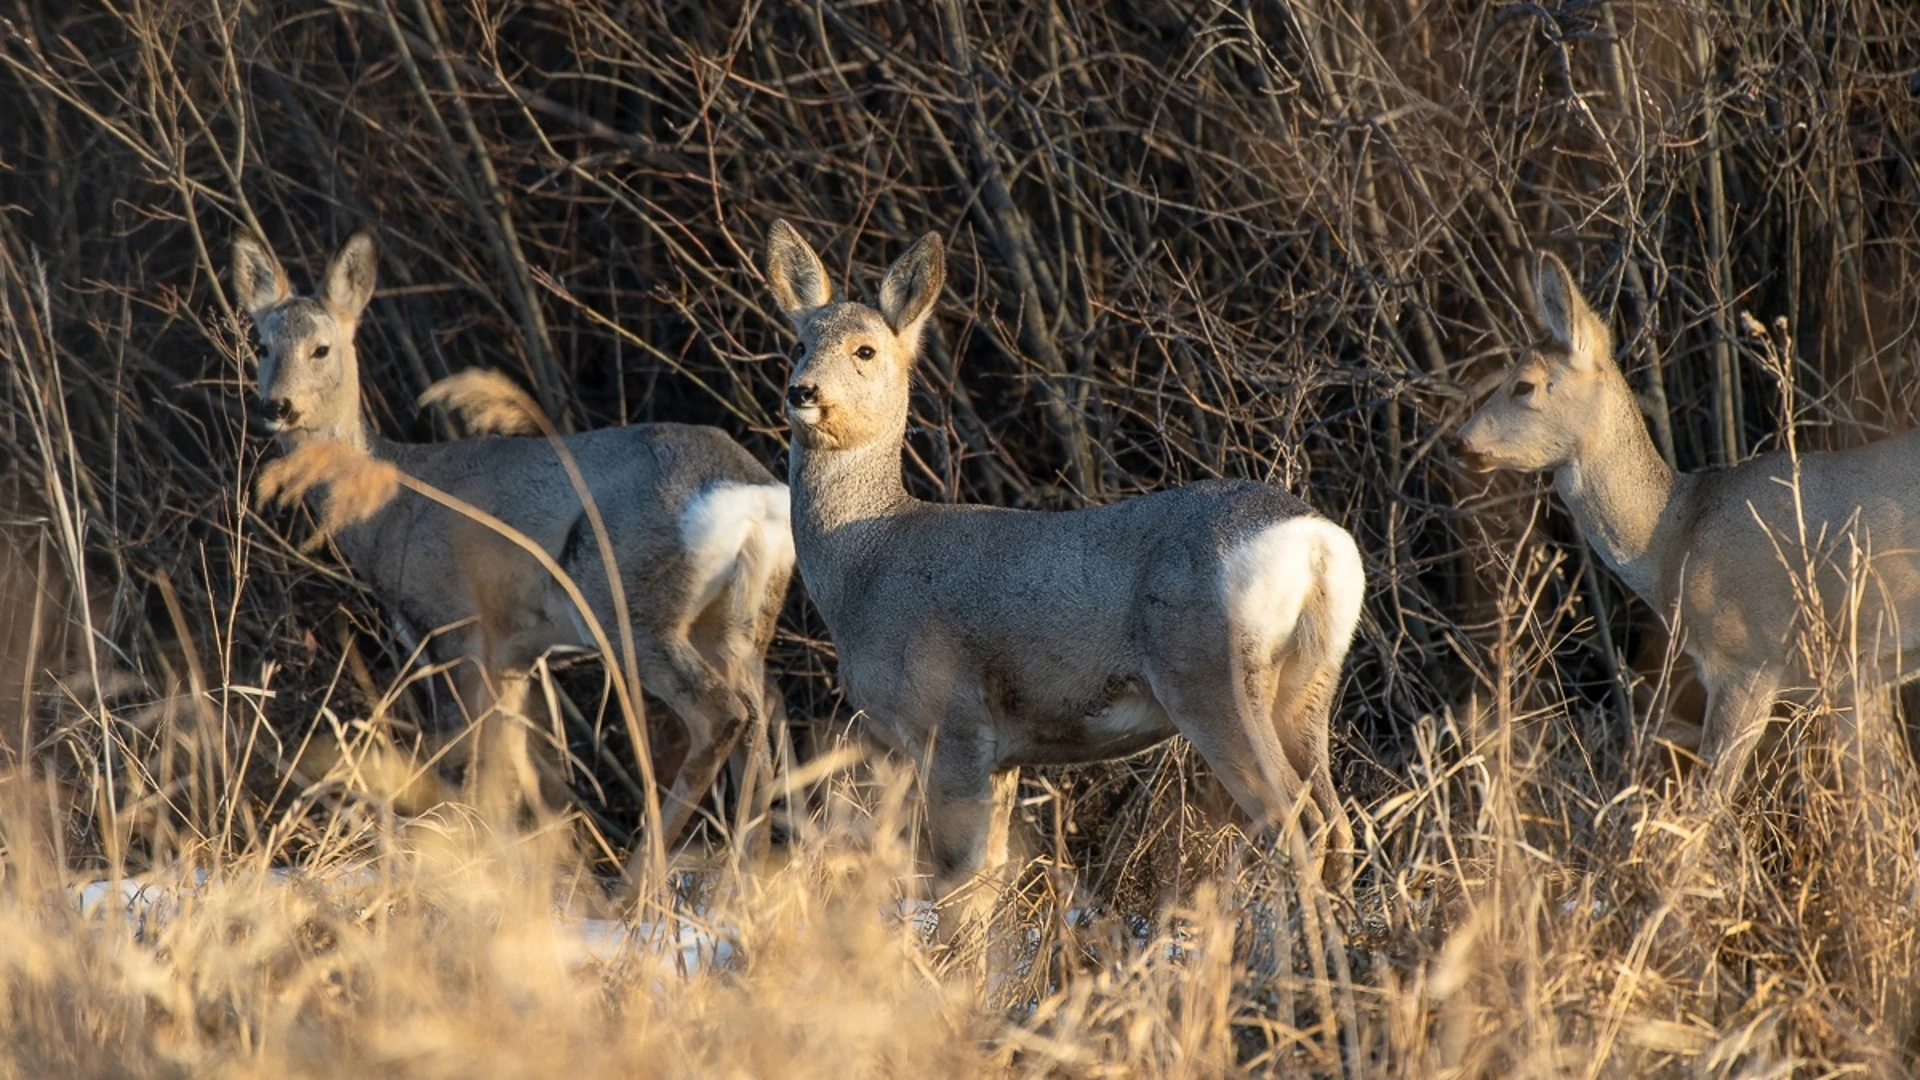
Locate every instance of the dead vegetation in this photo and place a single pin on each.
(1205, 238)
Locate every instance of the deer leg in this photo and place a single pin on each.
(1867, 748)
(507, 767)
(714, 715)
(503, 768)
(732, 634)
(772, 594)
(969, 804)
(752, 825)
(1737, 709)
(754, 770)
(959, 788)
(1302, 711)
(1241, 747)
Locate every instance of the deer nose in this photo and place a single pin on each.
(801, 395)
(1470, 459)
(283, 410)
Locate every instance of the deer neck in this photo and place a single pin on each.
(1624, 497)
(842, 500)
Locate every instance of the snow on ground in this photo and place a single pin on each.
(148, 904)
(680, 946)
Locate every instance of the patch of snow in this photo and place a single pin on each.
(148, 904)
(606, 941)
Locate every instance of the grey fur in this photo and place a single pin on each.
(979, 639)
(700, 629)
(1718, 550)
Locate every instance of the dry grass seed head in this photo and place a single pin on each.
(357, 485)
(1225, 319)
(488, 403)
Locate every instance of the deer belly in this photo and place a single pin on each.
(1126, 725)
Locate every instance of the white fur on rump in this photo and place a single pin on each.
(1269, 579)
(722, 522)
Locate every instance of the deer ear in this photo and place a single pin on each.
(349, 282)
(911, 287)
(798, 277)
(1568, 319)
(258, 281)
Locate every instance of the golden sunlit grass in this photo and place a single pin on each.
(348, 485)
(487, 402)
(1511, 918)
(1189, 240)
(1502, 927)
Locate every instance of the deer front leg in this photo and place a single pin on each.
(508, 762)
(968, 807)
(960, 784)
(1737, 708)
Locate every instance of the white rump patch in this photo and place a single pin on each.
(728, 521)
(1269, 579)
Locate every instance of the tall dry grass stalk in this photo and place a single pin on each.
(1190, 239)
(487, 403)
(349, 485)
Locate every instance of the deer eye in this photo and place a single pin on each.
(864, 352)
(320, 351)
(1523, 388)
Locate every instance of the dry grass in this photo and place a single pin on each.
(348, 485)
(1189, 239)
(487, 403)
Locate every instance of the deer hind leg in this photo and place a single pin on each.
(755, 768)
(728, 638)
(714, 713)
(1292, 596)
(765, 593)
(1240, 745)
(1302, 712)
(741, 568)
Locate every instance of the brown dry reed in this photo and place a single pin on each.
(349, 485)
(1189, 238)
(487, 403)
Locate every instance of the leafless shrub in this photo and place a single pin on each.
(1190, 239)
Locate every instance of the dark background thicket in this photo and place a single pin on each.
(1188, 239)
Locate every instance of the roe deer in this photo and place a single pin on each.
(1720, 549)
(699, 528)
(980, 639)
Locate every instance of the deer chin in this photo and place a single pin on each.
(814, 426)
(1475, 462)
(1472, 459)
(289, 428)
